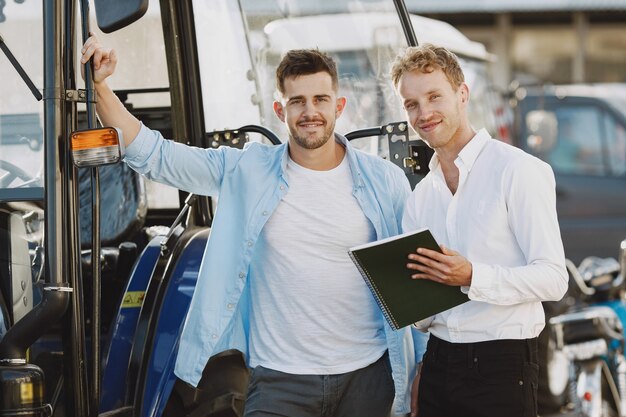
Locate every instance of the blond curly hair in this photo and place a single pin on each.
(427, 58)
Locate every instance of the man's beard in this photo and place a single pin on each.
(307, 143)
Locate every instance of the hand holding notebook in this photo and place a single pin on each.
(403, 300)
(445, 265)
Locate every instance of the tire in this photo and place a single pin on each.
(221, 391)
(553, 365)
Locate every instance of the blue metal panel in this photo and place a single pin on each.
(160, 376)
(115, 366)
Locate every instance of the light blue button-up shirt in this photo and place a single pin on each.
(250, 184)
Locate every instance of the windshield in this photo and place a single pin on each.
(362, 36)
(21, 115)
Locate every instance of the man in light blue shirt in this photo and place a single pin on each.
(276, 281)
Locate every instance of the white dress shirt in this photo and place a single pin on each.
(502, 218)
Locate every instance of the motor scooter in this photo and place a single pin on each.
(591, 335)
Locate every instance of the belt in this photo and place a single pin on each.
(523, 347)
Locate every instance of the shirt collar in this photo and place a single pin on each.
(350, 155)
(469, 153)
(355, 168)
(473, 148)
(284, 158)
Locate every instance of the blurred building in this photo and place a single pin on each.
(556, 41)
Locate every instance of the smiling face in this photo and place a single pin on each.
(309, 107)
(434, 108)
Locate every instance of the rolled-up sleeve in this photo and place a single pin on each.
(188, 168)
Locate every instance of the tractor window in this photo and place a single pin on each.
(21, 115)
(362, 36)
(142, 64)
(142, 79)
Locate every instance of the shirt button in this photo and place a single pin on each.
(265, 213)
(229, 306)
(249, 243)
(214, 336)
(241, 275)
(282, 187)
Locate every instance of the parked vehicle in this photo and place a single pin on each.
(580, 130)
(592, 337)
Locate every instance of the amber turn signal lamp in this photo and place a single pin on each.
(96, 147)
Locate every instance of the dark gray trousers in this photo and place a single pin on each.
(366, 392)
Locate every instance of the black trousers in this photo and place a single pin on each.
(486, 379)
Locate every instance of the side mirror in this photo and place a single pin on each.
(542, 128)
(116, 14)
(96, 147)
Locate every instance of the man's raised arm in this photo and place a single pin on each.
(110, 109)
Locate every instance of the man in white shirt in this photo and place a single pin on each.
(495, 205)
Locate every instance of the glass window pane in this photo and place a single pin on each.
(142, 64)
(578, 149)
(616, 143)
(141, 57)
(363, 40)
(21, 115)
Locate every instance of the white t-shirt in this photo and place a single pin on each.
(311, 311)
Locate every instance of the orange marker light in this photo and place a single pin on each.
(96, 147)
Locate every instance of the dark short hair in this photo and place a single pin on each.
(298, 62)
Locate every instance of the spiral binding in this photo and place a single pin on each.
(374, 289)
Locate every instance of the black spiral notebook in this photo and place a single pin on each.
(403, 300)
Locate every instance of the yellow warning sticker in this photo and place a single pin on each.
(27, 392)
(133, 299)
